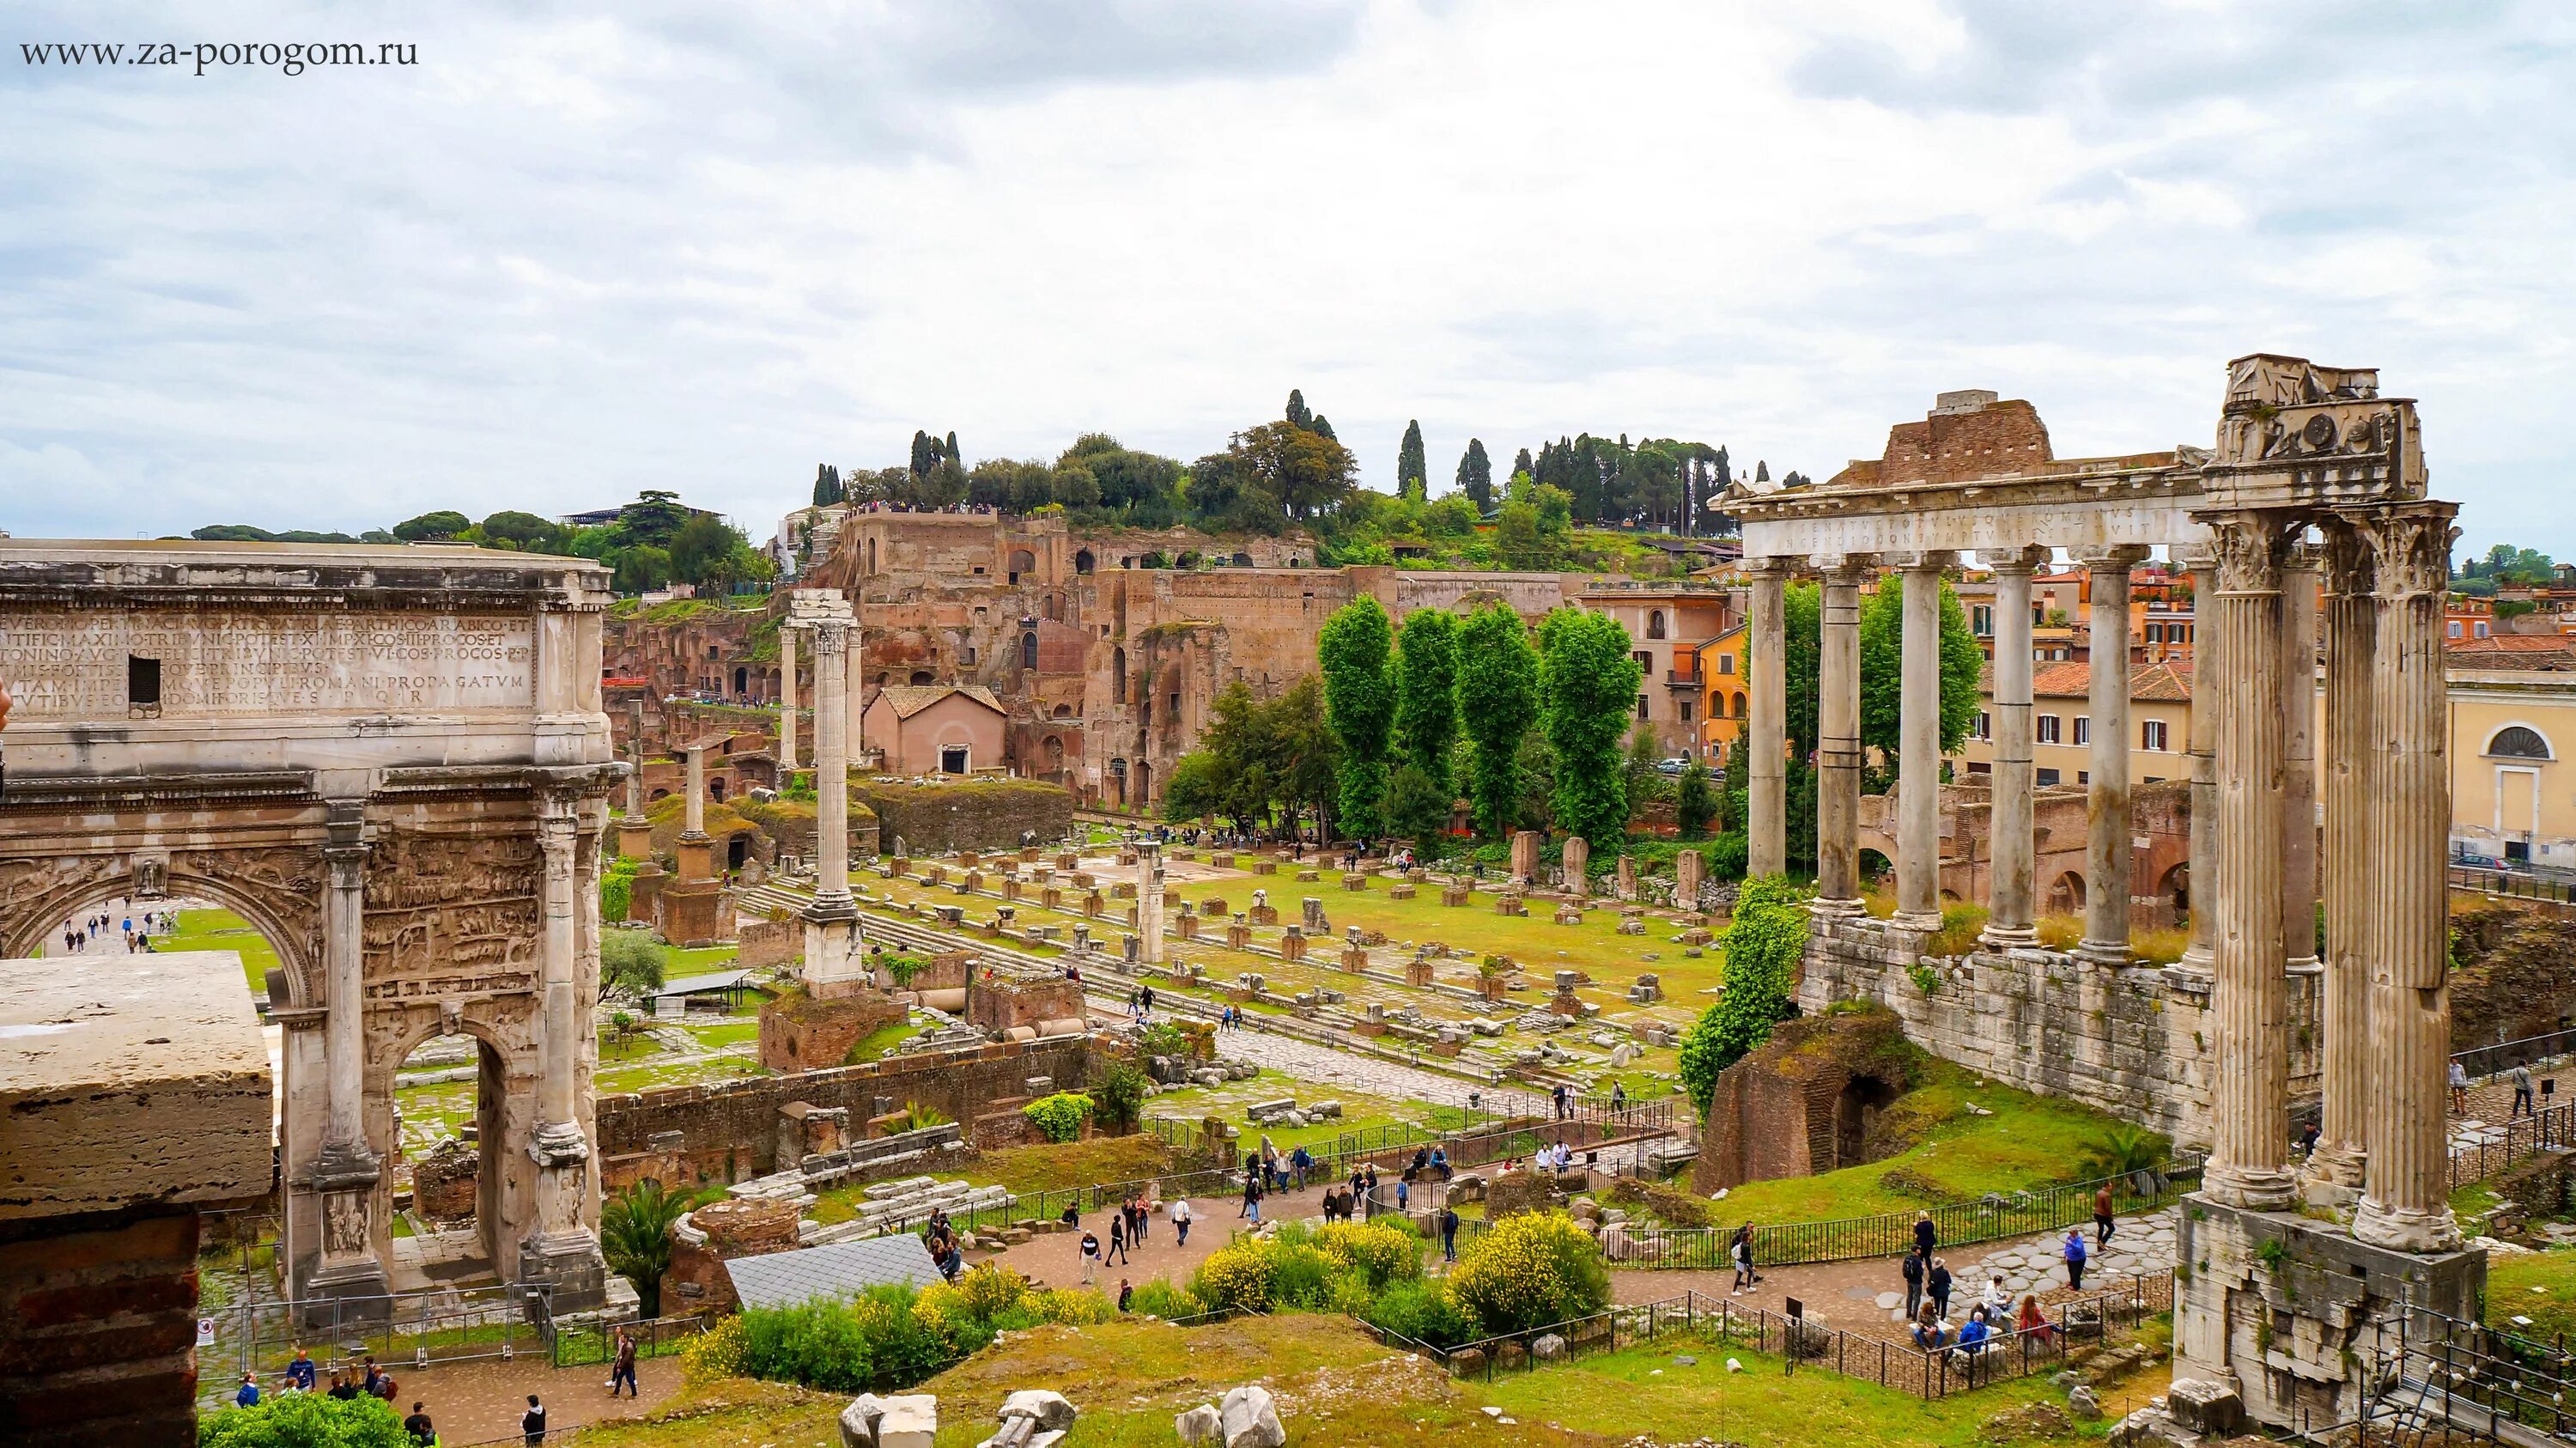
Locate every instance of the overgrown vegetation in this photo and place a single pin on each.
(305, 1420)
(894, 1336)
(1764, 943)
(1059, 1117)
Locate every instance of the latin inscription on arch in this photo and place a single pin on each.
(212, 664)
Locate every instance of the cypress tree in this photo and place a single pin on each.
(1298, 416)
(1522, 464)
(1412, 476)
(1476, 474)
(1324, 428)
(1761, 471)
(954, 455)
(1725, 475)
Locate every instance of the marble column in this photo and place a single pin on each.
(1767, 742)
(2299, 758)
(2249, 995)
(693, 814)
(1838, 749)
(787, 701)
(2334, 1173)
(2405, 1202)
(1149, 901)
(560, 1250)
(2108, 838)
(854, 688)
(2014, 868)
(1918, 793)
(835, 961)
(346, 1169)
(2199, 954)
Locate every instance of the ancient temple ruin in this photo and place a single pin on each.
(2272, 1303)
(390, 761)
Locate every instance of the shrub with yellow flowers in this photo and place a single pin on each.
(1381, 1251)
(1236, 1277)
(1530, 1270)
(719, 1352)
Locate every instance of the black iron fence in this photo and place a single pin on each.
(2491, 879)
(401, 1331)
(1899, 1364)
(2501, 1147)
(591, 1343)
(2482, 1062)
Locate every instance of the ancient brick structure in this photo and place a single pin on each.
(801, 1032)
(1805, 1102)
(444, 1183)
(2159, 835)
(1005, 1006)
(715, 1234)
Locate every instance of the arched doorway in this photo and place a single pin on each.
(1022, 562)
(1083, 562)
(2176, 890)
(2066, 896)
(741, 681)
(1856, 1108)
(923, 677)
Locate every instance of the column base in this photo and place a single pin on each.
(634, 838)
(1909, 920)
(2251, 1189)
(2333, 1179)
(344, 1294)
(2303, 965)
(2105, 952)
(568, 1266)
(835, 963)
(2405, 1229)
(1836, 908)
(2008, 937)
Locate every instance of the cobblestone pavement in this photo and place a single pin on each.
(2141, 1246)
(1307, 1061)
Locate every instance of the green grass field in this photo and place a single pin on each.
(2537, 1285)
(223, 930)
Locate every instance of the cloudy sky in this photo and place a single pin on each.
(705, 247)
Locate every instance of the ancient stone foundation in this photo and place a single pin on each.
(2133, 1041)
(799, 1032)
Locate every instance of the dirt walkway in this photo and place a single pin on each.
(480, 1401)
(1055, 1260)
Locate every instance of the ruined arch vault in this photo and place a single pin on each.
(391, 761)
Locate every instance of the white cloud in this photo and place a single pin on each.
(564, 258)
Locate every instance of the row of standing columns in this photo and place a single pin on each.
(2258, 874)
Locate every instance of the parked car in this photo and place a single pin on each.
(1674, 765)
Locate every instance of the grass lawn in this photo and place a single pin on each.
(700, 960)
(618, 1080)
(1335, 1386)
(1194, 1104)
(223, 930)
(2537, 1285)
(1035, 1168)
(2028, 1141)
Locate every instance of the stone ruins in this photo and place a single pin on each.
(2275, 1299)
(393, 763)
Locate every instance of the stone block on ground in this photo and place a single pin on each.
(859, 1421)
(1251, 1420)
(911, 1420)
(2208, 1408)
(1200, 1427)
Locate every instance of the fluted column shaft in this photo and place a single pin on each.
(2351, 627)
(693, 817)
(344, 903)
(2108, 836)
(787, 700)
(2199, 954)
(1918, 796)
(2299, 758)
(2014, 871)
(2406, 1183)
(2249, 1086)
(854, 689)
(635, 757)
(556, 840)
(1766, 788)
(831, 767)
(1838, 751)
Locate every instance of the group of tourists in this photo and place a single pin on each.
(940, 1236)
(1140, 1005)
(368, 1380)
(1127, 1227)
(102, 928)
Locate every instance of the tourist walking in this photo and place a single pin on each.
(1090, 1258)
(1936, 1286)
(1739, 1249)
(2102, 1216)
(1448, 1234)
(1117, 1238)
(532, 1423)
(1180, 1214)
(423, 1432)
(2075, 1258)
(2521, 1091)
(1912, 1269)
(624, 1371)
(1251, 1197)
(2459, 1088)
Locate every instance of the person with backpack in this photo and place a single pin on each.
(1913, 1271)
(532, 1423)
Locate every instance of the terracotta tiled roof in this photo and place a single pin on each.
(2166, 682)
(2509, 643)
(909, 699)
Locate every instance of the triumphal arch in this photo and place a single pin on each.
(393, 762)
(2321, 568)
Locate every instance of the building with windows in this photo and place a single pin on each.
(1666, 625)
(2062, 727)
(2513, 788)
(1723, 692)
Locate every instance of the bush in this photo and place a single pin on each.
(305, 1420)
(1423, 1310)
(1159, 1298)
(1235, 1277)
(719, 1352)
(631, 961)
(1059, 1118)
(1121, 1094)
(1764, 944)
(1531, 1270)
(1379, 1252)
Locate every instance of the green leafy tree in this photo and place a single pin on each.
(1476, 475)
(1418, 810)
(631, 961)
(526, 532)
(1120, 1095)
(430, 527)
(1694, 802)
(652, 520)
(635, 1236)
(1764, 943)
(1498, 693)
(1412, 474)
(1637, 772)
(1882, 668)
(1426, 699)
(1359, 705)
(827, 485)
(1587, 696)
(1309, 473)
(1516, 537)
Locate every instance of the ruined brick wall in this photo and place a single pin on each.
(982, 814)
(724, 1230)
(443, 1183)
(729, 1131)
(1002, 1005)
(2132, 1041)
(2516, 976)
(770, 942)
(801, 1033)
(98, 1331)
(1775, 1112)
(2159, 868)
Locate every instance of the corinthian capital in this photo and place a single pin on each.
(2410, 546)
(2349, 557)
(2248, 545)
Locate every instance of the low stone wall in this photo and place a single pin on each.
(1006, 1005)
(727, 1132)
(704, 1240)
(983, 814)
(770, 942)
(2133, 1041)
(444, 1182)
